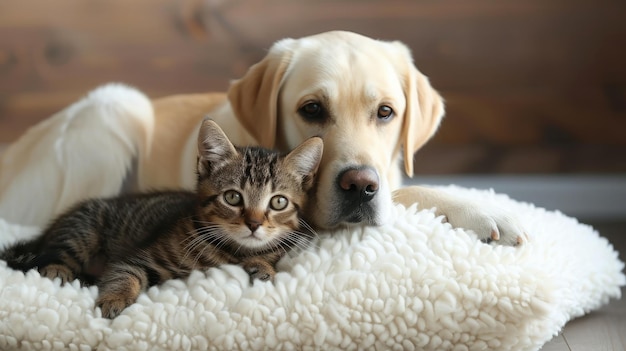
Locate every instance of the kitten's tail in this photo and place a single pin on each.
(20, 255)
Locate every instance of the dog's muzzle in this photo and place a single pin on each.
(357, 187)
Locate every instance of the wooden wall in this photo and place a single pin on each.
(532, 86)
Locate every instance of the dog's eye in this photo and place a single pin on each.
(385, 113)
(313, 112)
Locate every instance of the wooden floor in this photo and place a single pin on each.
(605, 329)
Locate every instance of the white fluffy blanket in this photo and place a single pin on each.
(416, 284)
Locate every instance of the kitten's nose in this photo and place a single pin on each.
(253, 222)
(253, 225)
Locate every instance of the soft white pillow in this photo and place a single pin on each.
(416, 283)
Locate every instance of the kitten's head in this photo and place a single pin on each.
(251, 197)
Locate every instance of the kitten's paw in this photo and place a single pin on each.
(112, 306)
(263, 272)
(57, 271)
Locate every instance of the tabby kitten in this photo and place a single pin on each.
(245, 210)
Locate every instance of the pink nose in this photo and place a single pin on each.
(253, 220)
(253, 225)
(359, 183)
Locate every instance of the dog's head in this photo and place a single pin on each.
(364, 97)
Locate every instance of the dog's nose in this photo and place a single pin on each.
(360, 184)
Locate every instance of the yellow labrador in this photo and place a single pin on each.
(364, 97)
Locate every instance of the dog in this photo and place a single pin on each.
(364, 97)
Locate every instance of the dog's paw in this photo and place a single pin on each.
(490, 224)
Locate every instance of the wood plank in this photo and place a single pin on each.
(457, 158)
(599, 331)
(604, 329)
(531, 117)
(558, 343)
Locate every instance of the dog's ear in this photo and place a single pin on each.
(424, 111)
(254, 97)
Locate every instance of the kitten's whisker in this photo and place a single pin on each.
(205, 223)
(297, 244)
(301, 240)
(195, 238)
(191, 246)
(201, 235)
(208, 239)
(281, 245)
(200, 254)
(189, 240)
(211, 238)
(238, 248)
(308, 227)
(309, 240)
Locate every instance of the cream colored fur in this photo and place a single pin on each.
(116, 136)
(82, 151)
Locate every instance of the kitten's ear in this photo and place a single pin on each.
(305, 159)
(214, 147)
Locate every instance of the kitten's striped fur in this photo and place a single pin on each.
(236, 215)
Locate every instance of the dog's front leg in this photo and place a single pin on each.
(488, 222)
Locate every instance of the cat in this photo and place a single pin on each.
(246, 210)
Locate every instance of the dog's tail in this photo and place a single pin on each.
(84, 151)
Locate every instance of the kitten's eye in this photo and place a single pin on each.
(278, 203)
(233, 198)
(385, 113)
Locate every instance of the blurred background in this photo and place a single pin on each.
(535, 90)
